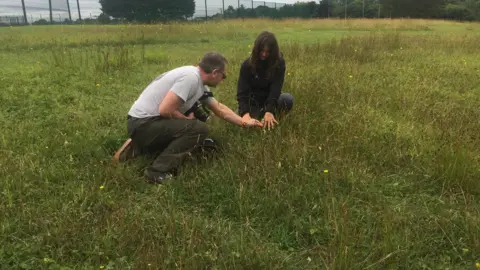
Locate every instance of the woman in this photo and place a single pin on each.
(259, 90)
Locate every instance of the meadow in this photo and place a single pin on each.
(376, 167)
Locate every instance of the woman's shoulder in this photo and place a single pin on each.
(246, 64)
(282, 58)
(281, 61)
(246, 61)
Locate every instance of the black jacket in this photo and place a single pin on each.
(256, 90)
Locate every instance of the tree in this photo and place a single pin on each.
(175, 10)
(412, 8)
(325, 8)
(148, 10)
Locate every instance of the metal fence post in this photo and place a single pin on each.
(78, 7)
(69, 13)
(24, 12)
(50, 7)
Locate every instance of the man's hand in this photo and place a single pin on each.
(269, 120)
(191, 116)
(253, 123)
(228, 115)
(246, 117)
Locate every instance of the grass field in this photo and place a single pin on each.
(377, 166)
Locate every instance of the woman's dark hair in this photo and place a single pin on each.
(265, 39)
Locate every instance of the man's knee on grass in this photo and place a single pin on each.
(200, 128)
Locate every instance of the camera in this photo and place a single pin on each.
(199, 111)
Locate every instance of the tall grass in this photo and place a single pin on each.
(376, 167)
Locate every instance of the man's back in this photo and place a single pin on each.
(184, 81)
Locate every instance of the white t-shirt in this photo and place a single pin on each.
(184, 81)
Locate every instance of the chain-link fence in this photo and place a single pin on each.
(18, 12)
(21, 12)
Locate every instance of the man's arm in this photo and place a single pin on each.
(169, 106)
(176, 97)
(227, 114)
(276, 87)
(243, 89)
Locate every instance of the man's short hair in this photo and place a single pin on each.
(213, 60)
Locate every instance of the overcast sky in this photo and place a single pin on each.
(36, 8)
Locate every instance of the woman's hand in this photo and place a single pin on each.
(269, 120)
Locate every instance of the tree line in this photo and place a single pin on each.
(165, 10)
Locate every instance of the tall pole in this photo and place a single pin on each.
(363, 8)
(79, 14)
(206, 13)
(328, 16)
(51, 15)
(69, 13)
(24, 11)
(253, 11)
(223, 8)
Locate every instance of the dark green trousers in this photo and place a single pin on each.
(172, 139)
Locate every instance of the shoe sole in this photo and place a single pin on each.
(119, 152)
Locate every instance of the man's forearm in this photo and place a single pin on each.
(228, 115)
(176, 115)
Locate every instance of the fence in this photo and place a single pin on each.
(210, 8)
(21, 12)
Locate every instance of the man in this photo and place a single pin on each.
(157, 121)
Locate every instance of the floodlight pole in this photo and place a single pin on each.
(24, 11)
(78, 7)
(50, 7)
(69, 13)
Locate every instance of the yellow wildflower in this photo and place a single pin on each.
(102, 187)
